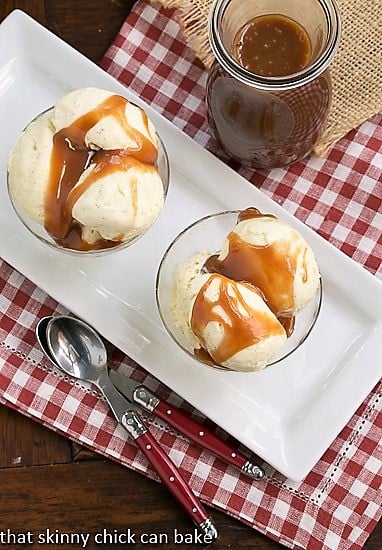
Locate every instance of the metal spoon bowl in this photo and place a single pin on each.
(76, 348)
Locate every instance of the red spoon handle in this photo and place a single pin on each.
(205, 438)
(169, 474)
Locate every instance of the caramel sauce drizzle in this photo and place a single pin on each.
(71, 157)
(241, 328)
(268, 268)
(269, 271)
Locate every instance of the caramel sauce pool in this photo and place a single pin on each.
(272, 45)
(71, 157)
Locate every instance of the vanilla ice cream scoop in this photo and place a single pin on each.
(28, 167)
(274, 257)
(87, 170)
(225, 321)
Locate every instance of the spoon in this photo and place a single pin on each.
(79, 351)
(42, 341)
(183, 423)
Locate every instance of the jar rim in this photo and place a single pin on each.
(309, 73)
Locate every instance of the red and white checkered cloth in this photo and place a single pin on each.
(339, 503)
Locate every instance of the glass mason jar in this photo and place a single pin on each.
(268, 121)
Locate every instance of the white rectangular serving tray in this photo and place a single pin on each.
(288, 414)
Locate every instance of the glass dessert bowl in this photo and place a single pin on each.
(211, 309)
(90, 175)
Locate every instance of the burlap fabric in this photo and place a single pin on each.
(356, 69)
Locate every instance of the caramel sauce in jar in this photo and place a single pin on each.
(268, 91)
(272, 45)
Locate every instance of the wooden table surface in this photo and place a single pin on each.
(47, 482)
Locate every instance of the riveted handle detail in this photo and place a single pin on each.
(168, 472)
(206, 438)
(143, 397)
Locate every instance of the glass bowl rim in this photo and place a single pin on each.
(317, 298)
(44, 239)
